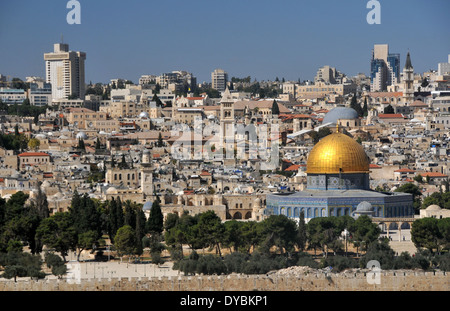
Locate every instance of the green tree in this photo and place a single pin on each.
(125, 241)
(425, 233)
(233, 235)
(356, 106)
(251, 235)
(210, 230)
(418, 178)
(58, 232)
(364, 232)
(444, 233)
(416, 193)
(275, 108)
(34, 144)
(18, 264)
(155, 222)
(441, 199)
(279, 231)
(115, 217)
(380, 251)
(323, 232)
(160, 142)
(302, 232)
(81, 146)
(56, 263)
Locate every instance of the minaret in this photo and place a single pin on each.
(408, 80)
(146, 174)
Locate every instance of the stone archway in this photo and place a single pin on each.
(248, 215)
(237, 215)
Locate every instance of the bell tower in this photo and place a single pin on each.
(227, 114)
(408, 80)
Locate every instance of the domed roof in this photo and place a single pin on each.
(337, 151)
(340, 113)
(143, 114)
(433, 207)
(364, 206)
(82, 135)
(147, 206)
(40, 136)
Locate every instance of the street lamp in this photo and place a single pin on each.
(345, 234)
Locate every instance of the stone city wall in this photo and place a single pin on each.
(389, 281)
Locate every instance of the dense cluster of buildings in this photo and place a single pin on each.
(242, 156)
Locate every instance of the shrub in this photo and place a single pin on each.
(338, 263)
(235, 262)
(306, 260)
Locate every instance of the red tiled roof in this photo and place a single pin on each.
(34, 154)
(433, 174)
(404, 170)
(374, 166)
(292, 168)
(391, 115)
(385, 94)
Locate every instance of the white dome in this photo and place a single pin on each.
(364, 206)
(143, 114)
(82, 135)
(433, 207)
(40, 136)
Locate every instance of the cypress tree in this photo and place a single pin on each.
(275, 108)
(302, 238)
(155, 221)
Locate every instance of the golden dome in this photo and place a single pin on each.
(337, 151)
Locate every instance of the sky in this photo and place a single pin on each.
(263, 39)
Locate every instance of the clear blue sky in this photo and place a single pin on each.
(261, 38)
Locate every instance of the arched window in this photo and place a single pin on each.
(237, 215)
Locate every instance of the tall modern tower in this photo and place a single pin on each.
(64, 69)
(384, 68)
(219, 79)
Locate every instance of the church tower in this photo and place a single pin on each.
(227, 114)
(408, 80)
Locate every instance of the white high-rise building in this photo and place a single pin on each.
(444, 68)
(64, 70)
(219, 79)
